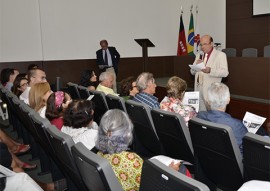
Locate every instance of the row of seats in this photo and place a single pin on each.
(247, 52)
(211, 147)
(83, 169)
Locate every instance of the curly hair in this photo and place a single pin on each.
(176, 87)
(126, 86)
(52, 111)
(115, 132)
(79, 113)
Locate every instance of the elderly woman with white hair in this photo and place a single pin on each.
(114, 138)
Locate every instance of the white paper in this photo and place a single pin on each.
(197, 67)
(90, 97)
(167, 160)
(192, 98)
(253, 122)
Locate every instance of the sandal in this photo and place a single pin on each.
(27, 166)
(21, 149)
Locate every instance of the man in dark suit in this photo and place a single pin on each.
(108, 59)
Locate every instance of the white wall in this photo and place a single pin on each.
(68, 29)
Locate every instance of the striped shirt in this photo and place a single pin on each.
(148, 99)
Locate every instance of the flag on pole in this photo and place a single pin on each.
(182, 43)
(197, 37)
(190, 43)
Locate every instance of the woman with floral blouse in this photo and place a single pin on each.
(176, 88)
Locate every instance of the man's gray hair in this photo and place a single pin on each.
(115, 132)
(105, 76)
(218, 96)
(143, 80)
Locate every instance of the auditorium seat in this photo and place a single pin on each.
(62, 144)
(146, 142)
(230, 52)
(95, 171)
(250, 52)
(100, 104)
(157, 176)
(173, 134)
(115, 102)
(73, 90)
(216, 153)
(256, 154)
(266, 51)
(84, 92)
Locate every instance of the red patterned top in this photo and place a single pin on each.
(127, 166)
(176, 106)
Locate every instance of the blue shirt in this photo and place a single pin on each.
(148, 99)
(238, 128)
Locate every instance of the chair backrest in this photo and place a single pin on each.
(266, 51)
(84, 92)
(145, 132)
(217, 152)
(230, 52)
(62, 143)
(100, 104)
(250, 52)
(157, 176)
(256, 154)
(115, 102)
(173, 134)
(41, 125)
(95, 171)
(73, 90)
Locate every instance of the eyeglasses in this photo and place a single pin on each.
(42, 77)
(204, 44)
(24, 84)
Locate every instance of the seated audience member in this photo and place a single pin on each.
(8, 76)
(218, 99)
(38, 96)
(34, 76)
(106, 83)
(19, 85)
(89, 79)
(176, 88)
(114, 137)
(147, 87)
(56, 105)
(128, 88)
(79, 124)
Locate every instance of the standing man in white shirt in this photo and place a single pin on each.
(216, 68)
(107, 60)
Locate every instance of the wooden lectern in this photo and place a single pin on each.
(144, 43)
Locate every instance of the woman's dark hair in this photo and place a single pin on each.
(17, 84)
(126, 86)
(5, 74)
(85, 78)
(79, 113)
(53, 110)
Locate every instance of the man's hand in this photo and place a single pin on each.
(199, 61)
(206, 70)
(175, 166)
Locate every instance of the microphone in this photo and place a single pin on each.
(201, 55)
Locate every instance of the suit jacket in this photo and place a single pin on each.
(219, 69)
(114, 55)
